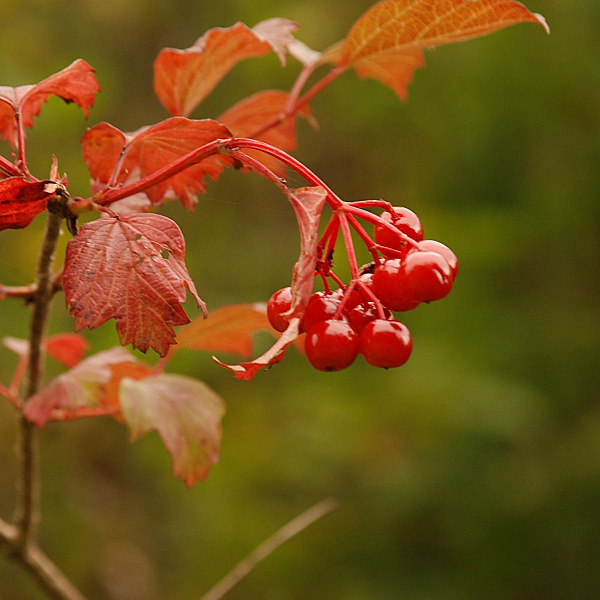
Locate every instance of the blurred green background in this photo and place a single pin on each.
(472, 472)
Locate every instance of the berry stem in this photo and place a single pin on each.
(332, 198)
(349, 244)
(351, 208)
(366, 238)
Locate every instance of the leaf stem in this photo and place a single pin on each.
(22, 165)
(315, 89)
(288, 531)
(8, 167)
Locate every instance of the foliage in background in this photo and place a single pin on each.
(512, 401)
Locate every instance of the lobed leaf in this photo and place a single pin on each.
(386, 42)
(131, 269)
(227, 329)
(117, 157)
(75, 83)
(252, 114)
(183, 78)
(185, 412)
(21, 201)
(83, 387)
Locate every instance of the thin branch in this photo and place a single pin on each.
(39, 566)
(288, 531)
(17, 291)
(26, 510)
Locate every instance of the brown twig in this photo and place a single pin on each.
(288, 531)
(39, 566)
(19, 540)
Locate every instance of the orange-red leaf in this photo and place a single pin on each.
(386, 42)
(183, 78)
(67, 348)
(187, 415)
(78, 392)
(135, 155)
(227, 329)
(131, 269)
(75, 83)
(133, 370)
(21, 201)
(250, 115)
(308, 204)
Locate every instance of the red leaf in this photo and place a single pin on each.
(102, 146)
(185, 412)
(141, 153)
(250, 115)
(386, 42)
(228, 329)
(21, 201)
(73, 393)
(183, 78)
(131, 269)
(67, 348)
(75, 83)
(308, 204)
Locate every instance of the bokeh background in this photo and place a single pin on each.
(472, 472)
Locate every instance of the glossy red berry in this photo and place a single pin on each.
(434, 246)
(362, 314)
(427, 276)
(403, 219)
(331, 345)
(279, 304)
(357, 296)
(320, 307)
(390, 286)
(386, 344)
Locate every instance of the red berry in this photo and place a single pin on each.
(386, 344)
(279, 303)
(390, 286)
(428, 276)
(433, 246)
(357, 297)
(403, 219)
(320, 307)
(362, 314)
(331, 345)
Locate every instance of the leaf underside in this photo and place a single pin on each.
(387, 42)
(185, 412)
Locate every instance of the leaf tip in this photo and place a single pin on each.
(542, 21)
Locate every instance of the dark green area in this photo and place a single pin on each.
(471, 473)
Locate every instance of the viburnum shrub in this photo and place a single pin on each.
(129, 263)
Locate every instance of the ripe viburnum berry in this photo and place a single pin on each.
(320, 307)
(331, 345)
(385, 343)
(279, 303)
(390, 286)
(403, 219)
(434, 246)
(427, 276)
(362, 314)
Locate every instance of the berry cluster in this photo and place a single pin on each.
(358, 318)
